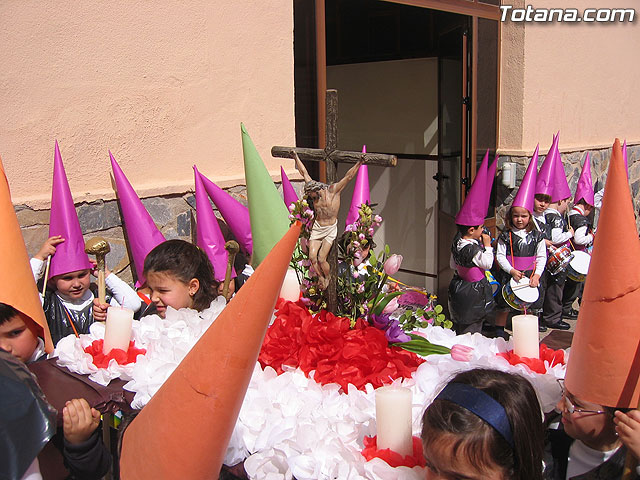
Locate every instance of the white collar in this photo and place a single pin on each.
(76, 304)
(38, 352)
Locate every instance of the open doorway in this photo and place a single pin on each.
(403, 75)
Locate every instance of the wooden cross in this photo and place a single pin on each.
(332, 156)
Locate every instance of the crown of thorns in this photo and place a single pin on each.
(314, 186)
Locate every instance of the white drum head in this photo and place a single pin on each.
(523, 291)
(580, 262)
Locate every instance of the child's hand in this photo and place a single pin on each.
(628, 430)
(99, 310)
(571, 231)
(548, 243)
(516, 274)
(486, 240)
(534, 281)
(79, 420)
(48, 247)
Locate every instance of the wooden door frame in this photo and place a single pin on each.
(472, 8)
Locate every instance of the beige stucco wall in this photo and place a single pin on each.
(163, 84)
(579, 78)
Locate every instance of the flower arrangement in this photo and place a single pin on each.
(363, 290)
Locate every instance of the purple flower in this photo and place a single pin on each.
(350, 228)
(395, 334)
(414, 299)
(361, 236)
(370, 231)
(392, 265)
(377, 219)
(360, 288)
(381, 321)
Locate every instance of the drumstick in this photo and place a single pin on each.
(46, 275)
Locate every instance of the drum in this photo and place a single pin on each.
(579, 266)
(519, 295)
(495, 285)
(559, 258)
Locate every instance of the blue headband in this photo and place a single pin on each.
(480, 404)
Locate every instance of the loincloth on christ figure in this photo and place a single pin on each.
(327, 233)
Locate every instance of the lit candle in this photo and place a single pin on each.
(290, 287)
(393, 419)
(525, 336)
(117, 333)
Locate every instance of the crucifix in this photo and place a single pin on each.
(332, 156)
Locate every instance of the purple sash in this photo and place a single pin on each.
(472, 274)
(523, 263)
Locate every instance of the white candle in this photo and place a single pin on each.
(117, 333)
(393, 419)
(290, 287)
(525, 336)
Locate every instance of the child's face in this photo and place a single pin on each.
(593, 429)
(540, 205)
(168, 291)
(520, 217)
(73, 284)
(475, 232)
(18, 339)
(443, 464)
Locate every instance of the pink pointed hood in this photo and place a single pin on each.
(361, 192)
(561, 188)
(527, 191)
(584, 190)
(546, 175)
(288, 192)
(142, 233)
(70, 255)
(474, 208)
(209, 235)
(234, 213)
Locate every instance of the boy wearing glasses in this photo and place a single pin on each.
(590, 446)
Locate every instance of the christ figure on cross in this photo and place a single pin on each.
(324, 200)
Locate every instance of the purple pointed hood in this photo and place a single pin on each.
(361, 192)
(288, 192)
(234, 213)
(561, 188)
(527, 191)
(142, 233)
(209, 235)
(491, 176)
(70, 255)
(474, 208)
(544, 180)
(584, 190)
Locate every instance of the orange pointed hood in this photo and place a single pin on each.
(604, 363)
(184, 430)
(17, 286)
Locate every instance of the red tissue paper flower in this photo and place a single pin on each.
(101, 360)
(392, 458)
(554, 357)
(325, 344)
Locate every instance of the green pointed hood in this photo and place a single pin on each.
(269, 216)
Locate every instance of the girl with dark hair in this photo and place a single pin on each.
(179, 275)
(485, 424)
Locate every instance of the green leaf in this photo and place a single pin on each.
(387, 250)
(422, 346)
(448, 324)
(438, 308)
(372, 257)
(382, 302)
(440, 318)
